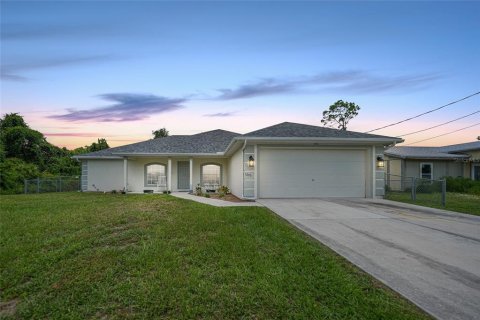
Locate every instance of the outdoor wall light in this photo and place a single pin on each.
(251, 162)
(380, 162)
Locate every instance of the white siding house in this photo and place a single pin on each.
(287, 160)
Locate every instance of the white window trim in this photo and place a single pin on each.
(431, 170)
(202, 183)
(146, 184)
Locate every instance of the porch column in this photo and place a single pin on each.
(125, 174)
(169, 174)
(191, 174)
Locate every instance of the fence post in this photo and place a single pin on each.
(444, 192)
(38, 185)
(25, 185)
(414, 189)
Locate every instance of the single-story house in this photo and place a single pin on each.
(287, 160)
(459, 160)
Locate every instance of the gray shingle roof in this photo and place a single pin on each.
(217, 141)
(205, 142)
(445, 152)
(462, 147)
(298, 130)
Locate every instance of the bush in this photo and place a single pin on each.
(198, 190)
(427, 186)
(207, 195)
(13, 172)
(463, 185)
(224, 189)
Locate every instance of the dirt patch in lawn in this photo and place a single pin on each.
(8, 308)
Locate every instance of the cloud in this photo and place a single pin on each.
(350, 81)
(220, 114)
(264, 87)
(10, 71)
(34, 30)
(126, 107)
(12, 77)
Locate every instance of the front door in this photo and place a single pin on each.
(183, 168)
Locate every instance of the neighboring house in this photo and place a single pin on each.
(287, 160)
(459, 160)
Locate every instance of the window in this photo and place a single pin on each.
(476, 172)
(426, 171)
(155, 175)
(211, 176)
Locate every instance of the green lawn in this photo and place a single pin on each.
(80, 255)
(459, 202)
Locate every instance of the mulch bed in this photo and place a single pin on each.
(227, 197)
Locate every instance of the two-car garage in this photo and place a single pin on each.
(310, 173)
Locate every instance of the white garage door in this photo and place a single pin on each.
(303, 173)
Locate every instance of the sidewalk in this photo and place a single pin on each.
(215, 202)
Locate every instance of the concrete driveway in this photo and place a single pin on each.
(430, 256)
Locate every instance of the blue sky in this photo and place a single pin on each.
(82, 70)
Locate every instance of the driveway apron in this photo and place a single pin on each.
(432, 257)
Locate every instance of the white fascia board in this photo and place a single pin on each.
(319, 140)
(96, 157)
(426, 157)
(143, 155)
(323, 140)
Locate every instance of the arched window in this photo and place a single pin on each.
(211, 176)
(155, 175)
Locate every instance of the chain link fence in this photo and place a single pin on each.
(54, 184)
(415, 190)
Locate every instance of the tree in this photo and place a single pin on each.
(23, 143)
(160, 133)
(13, 171)
(339, 114)
(11, 120)
(95, 146)
(99, 145)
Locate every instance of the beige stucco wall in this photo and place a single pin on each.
(235, 173)
(106, 175)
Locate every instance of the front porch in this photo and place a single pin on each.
(175, 174)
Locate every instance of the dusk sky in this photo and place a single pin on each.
(78, 71)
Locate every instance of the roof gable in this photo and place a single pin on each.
(298, 130)
(212, 142)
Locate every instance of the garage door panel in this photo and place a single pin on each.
(287, 173)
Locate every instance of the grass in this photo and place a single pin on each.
(81, 256)
(459, 202)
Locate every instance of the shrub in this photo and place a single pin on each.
(428, 186)
(207, 195)
(198, 190)
(13, 172)
(224, 190)
(463, 185)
